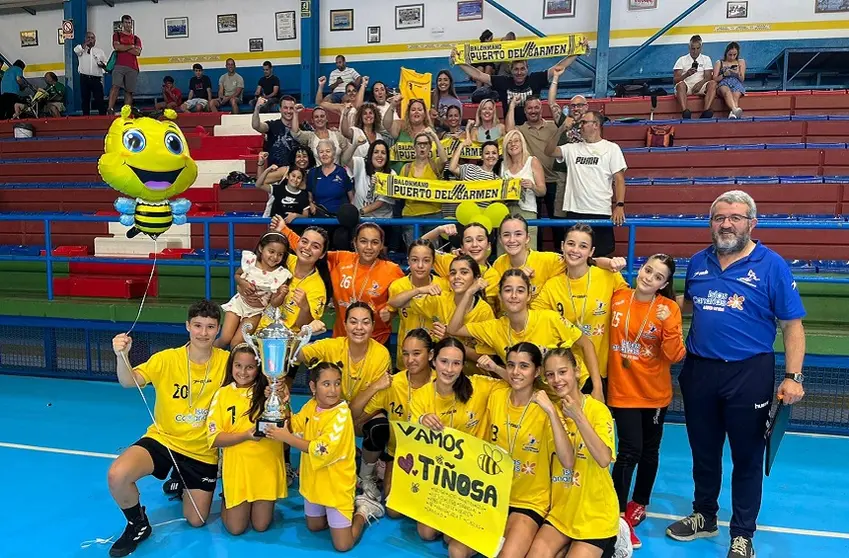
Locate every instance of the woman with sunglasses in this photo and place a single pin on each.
(427, 167)
(486, 126)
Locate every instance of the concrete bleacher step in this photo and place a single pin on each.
(223, 131)
(211, 172)
(240, 124)
(138, 247)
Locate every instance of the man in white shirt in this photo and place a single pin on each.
(92, 61)
(595, 179)
(693, 75)
(230, 87)
(341, 77)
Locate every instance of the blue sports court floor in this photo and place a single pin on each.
(58, 437)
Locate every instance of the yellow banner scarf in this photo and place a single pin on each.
(405, 151)
(506, 51)
(453, 482)
(447, 191)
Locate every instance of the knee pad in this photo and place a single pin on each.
(376, 434)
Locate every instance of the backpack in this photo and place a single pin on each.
(660, 136)
(632, 90)
(110, 64)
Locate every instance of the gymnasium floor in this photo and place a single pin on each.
(57, 438)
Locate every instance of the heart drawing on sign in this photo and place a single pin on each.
(406, 463)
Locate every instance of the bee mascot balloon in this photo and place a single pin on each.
(148, 160)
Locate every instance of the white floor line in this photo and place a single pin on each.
(787, 530)
(109, 541)
(58, 450)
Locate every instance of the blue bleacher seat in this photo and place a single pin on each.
(638, 181)
(832, 266)
(677, 149)
(674, 181)
(814, 217)
(757, 180)
(802, 265)
(714, 180)
(809, 117)
(800, 179)
(706, 148)
(635, 150)
(838, 117)
(746, 146)
(826, 146)
(771, 118)
(774, 216)
(836, 179)
(786, 146)
(198, 254)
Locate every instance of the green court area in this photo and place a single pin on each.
(23, 292)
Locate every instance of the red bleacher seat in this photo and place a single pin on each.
(789, 162)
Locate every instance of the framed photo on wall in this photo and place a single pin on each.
(227, 23)
(636, 5)
(558, 8)
(468, 10)
(255, 45)
(342, 20)
(373, 35)
(737, 10)
(29, 38)
(284, 25)
(410, 16)
(831, 6)
(176, 28)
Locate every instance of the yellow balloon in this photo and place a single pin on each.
(485, 221)
(496, 213)
(467, 212)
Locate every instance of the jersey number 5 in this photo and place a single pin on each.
(617, 317)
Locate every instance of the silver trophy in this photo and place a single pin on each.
(276, 346)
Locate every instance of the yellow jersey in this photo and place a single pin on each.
(442, 267)
(313, 287)
(396, 400)
(583, 501)
(525, 433)
(406, 321)
(252, 470)
(356, 376)
(413, 85)
(442, 308)
(328, 469)
(184, 392)
(545, 265)
(469, 417)
(586, 303)
(545, 329)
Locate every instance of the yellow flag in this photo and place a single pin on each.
(414, 85)
(447, 191)
(525, 49)
(405, 151)
(453, 482)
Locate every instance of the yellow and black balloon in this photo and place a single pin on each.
(149, 160)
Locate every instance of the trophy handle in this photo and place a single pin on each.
(303, 340)
(249, 340)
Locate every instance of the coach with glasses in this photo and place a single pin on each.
(736, 289)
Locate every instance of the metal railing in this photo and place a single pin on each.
(232, 262)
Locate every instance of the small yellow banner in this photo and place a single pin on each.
(405, 151)
(506, 51)
(453, 482)
(447, 191)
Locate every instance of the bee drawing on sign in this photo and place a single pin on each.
(415, 488)
(489, 460)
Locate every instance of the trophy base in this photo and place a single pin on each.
(263, 424)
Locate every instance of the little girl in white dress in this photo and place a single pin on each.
(263, 273)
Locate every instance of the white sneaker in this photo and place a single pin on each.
(380, 469)
(370, 489)
(738, 112)
(732, 116)
(368, 508)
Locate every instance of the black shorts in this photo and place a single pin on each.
(607, 546)
(196, 474)
(538, 519)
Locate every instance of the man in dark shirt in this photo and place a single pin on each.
(520, 85)
(200, 91)
(280, 144)
(268, 88)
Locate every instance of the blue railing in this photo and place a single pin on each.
(232, 262)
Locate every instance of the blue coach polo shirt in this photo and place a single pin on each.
(331, 191)
(735, 311)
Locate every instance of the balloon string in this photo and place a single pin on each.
(149, 281)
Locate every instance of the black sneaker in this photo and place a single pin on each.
(695, 526)
(707, 114)
(686, 115)
(741, 547)
(134, 534)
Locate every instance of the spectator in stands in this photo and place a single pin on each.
(503, 68)
(489, 169)
(730, 73)
(693, 75)
(486, 126)
(423, 166)
(363, 168)
(171, 96)
(200, 91)
(537, 132)
(341, 77)
(303, 160)
(320, 131)
(737, 289)
(289, 197)
(444, 96)
(452, 124)
(267, 88)
(230, 88)
(595, 179)
(416, 121)
(483, 91)
(366, 123)
(329, 183)
(379, 95)
(126, 71)
(520, 163)
(92, 61)
(54, 104)
(10, 89)
(279, 141)
(341, 108)
(520, 84)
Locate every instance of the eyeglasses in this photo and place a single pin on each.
(577, 105)
(735, 219)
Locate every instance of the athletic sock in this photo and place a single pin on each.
(135, 514)
(367, 470)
